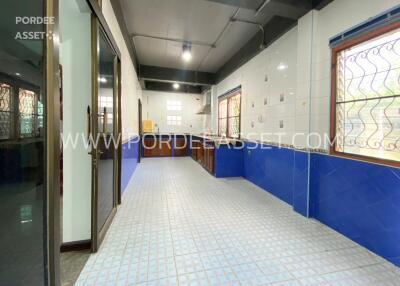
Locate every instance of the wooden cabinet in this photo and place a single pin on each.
(204, 154)
(180, 147)
(157, 147)
(195, 146)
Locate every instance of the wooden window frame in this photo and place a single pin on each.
(227, 97)
(16, 85)
(335, 51)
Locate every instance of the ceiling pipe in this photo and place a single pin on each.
(219, 37)
(260, 26)
(195, 43)
(258, 11)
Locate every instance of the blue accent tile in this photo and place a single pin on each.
(228, 161)
(300, 182)
(270, 168)
(360, 200)
(130, 157)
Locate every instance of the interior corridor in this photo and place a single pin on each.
(178, 225)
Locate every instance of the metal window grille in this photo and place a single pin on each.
(367, 98)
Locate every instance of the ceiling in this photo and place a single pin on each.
(207, 24)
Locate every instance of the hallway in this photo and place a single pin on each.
(178, 225)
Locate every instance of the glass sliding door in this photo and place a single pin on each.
(27, 256)
(105, 129)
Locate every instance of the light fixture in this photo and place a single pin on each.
(176, 85)
(187, 52)
(17, 74)
(102, 80)
(282, 67)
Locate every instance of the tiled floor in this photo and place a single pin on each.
(180, 226)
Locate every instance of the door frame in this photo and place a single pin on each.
(52, 113)
(140, 128)
(97, 237)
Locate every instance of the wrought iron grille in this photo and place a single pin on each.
(6, 111)
(368, 98)
(29, 113)
(229, 116)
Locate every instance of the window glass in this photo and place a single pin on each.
(368, 98)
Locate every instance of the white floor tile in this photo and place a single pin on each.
(180, 226)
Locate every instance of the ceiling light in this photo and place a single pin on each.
(176, 85)
(282, 67)
(102, 80)
(187, 52)
(17, 74)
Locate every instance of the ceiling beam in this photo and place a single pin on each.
(166, 86)
(320, 4)
(245, 4)
(176, 75)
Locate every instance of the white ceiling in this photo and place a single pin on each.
(192, 20)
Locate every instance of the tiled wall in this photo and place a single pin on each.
(155, 108)
(270, 168)
(268, 91)
(360, 200)
(130, 157)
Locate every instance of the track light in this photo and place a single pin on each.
(187, 52)
(176, 85)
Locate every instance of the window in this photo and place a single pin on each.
(23, 107)
(366, 97)
(6, 111)
(174, 120)
(29, 113)
(229, 115)
(174, 105)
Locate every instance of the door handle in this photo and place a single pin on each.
(93, 152)
(89, 123)
(105, 120)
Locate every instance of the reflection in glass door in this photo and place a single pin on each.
(26, 257)
(105, 163)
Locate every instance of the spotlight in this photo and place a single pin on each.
(102, 80)
(17, 74)
(282, 67)
(176, 85)
(187, 52)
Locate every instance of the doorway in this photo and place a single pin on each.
(105, 131)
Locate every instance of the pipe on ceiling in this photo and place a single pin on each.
(258, 11)
(260, 26)
(195, 43)
(219, 37)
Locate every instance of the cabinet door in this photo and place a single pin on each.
(211, 156)
(148, 147)
(180, 147)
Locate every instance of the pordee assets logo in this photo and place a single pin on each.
(34, 22)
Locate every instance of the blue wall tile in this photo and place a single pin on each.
(130, 157)
(228, 162)
(270, 168)
(300, 182)
(360, 200)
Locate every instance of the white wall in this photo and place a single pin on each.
(75, 58)
(262, 83)
(306, 82)
(155, 108)
(131, 90)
